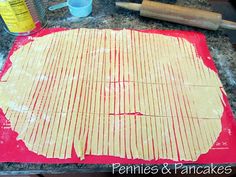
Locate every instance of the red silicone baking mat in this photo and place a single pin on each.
(223, 150)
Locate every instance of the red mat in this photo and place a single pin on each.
(223, 150)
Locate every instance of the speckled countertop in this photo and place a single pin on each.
(106, 15)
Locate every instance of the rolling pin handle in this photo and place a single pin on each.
(228, 25)
(129, 6)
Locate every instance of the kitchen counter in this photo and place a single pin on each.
(106, 15)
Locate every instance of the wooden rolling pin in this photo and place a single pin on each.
(177, 14)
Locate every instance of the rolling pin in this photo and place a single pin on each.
(182, 15)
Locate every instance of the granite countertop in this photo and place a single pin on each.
(106, 15)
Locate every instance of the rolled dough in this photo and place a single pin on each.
(119, 93)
